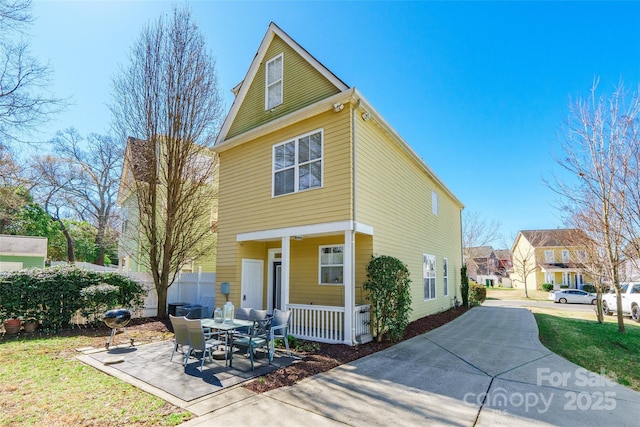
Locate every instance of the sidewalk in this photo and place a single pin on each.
(485, 368)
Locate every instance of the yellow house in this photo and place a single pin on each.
(548, 256)
(313, 183)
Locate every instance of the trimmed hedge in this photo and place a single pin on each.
(54, 295)
(547, 287)
(388, 288)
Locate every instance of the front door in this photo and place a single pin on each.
(276, 280)
(251, 283)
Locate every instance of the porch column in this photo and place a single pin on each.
(284, 271)
(349, 285)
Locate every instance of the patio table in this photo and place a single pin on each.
(227, 327)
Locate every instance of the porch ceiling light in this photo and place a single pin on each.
(297, 237)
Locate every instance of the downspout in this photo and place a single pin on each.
(355, 220)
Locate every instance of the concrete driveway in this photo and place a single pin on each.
(485, 368)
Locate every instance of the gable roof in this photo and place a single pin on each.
(242, 88)
(558, 237)
(503, 254)
(480, 252)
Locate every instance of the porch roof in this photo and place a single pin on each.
(561, 268)
(306, 230)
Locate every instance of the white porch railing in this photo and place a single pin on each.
(325, 323)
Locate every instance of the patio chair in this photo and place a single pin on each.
(181, 335)
(279, 329)
(257, 314)
(243, 313)
(198, 343)
(257, 337)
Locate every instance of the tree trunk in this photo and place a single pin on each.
(71, 257)
(619, 303)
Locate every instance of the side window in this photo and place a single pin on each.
(273, 84)
(445, 275)
(565, 256)
(331, 265)
(434, 202)
(429, 276)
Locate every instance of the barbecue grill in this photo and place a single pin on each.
(117, 320)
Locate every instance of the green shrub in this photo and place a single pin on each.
(589, 288)
(387, 288)
(464, 286)
(547, 287)
(477, 293)
(54, 295)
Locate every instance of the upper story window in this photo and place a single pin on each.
(548, 256)
(565, 256)
(297, 164)
(582, 255)
(273, 84)
(331, 264)
(434, 202)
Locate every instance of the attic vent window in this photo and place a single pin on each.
(273, 95)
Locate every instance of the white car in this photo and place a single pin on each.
(574, 296)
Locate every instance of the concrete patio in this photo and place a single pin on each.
(149, 368)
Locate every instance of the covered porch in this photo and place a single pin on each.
(316, 271)
(562, 275)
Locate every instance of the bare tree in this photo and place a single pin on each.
(478, 231)
(24, 100)
(599, 148)
(51, 178)
(168, 98)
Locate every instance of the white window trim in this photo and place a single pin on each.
(546, 258)
(267, 85)
(445, 275)
(568, 256)
(296, 165)
(424, 277)
(320, 265)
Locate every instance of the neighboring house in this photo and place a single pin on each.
(18, 252)
(136, 169)
(313, 183)
(548, 256)
(482, 261)
(503, 257)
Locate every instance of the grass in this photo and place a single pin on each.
(596, 347)
(579, 338)
(516, 294)
(42, 383)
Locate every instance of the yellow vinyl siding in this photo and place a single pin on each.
(398, 204)
(246, 202)
(302, 85)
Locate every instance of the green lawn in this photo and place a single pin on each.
(596, 347)
(42, 383)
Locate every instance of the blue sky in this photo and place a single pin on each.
(480, 90)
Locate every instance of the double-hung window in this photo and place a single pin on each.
(548, 256)
(331, 264)
(445, 275)
(273, 84)
(429, 276)
(565, 256)
(297, 164)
